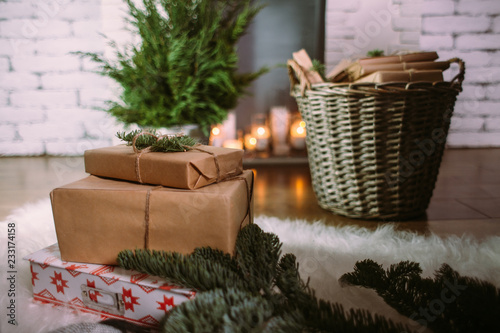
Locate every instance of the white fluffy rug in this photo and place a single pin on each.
(324, 254)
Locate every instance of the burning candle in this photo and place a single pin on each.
(261, 133)
(280, 124)
(298, 134)
(236, 144)
(216, 136)
(250, 142)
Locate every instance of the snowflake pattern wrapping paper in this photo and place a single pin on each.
(107, 291)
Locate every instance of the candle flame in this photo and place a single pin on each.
(300, 130)
(215, 131)
(261, 131)
(253, 141)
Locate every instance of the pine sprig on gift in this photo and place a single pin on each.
(185, 68)
(448, 302)
(319, 67)
(165, 144)
(256, 290)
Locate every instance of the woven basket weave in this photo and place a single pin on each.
(375, 149)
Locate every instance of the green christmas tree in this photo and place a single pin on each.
(185, 69)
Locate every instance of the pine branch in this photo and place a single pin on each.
(448, 302)
(238, 294)
(191, 271)
(232, 310)
(319, 67)
(165, 144)
(185, 69)
(320, 315)
(375, 53)
(257, 254)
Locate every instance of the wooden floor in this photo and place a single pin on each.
(466, 199)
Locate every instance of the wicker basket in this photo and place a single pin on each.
(375, 149)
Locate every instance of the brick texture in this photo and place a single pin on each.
(45, 104)
(438, 8)
(4, 98)
(454, 24)
(48, 96)
(473, 29)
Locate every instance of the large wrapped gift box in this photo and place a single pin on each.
(96, 218)
(192, 169)
(107, 291)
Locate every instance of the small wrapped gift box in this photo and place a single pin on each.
(409, 57)
(96, 218)
(107, 291)
(404, 66)
(195, 168)
(304, 61)
(403, 76)
(347, 71)
(357, 71)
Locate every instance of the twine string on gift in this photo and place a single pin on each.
(410, 72)
(146, 216)
(216, 160)
(249, 193)
(147, 208)
(139, 152)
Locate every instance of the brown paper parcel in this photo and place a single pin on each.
(96, 218)
(403, 76)
(190, 170)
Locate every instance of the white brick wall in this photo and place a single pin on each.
(468, 29)
(47, 95)
(355, 27)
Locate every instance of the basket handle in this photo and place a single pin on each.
(459, 78)
(297, 76)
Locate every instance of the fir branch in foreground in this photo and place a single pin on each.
(191, 271)
(254, 291)
(233, 310)
(165, 144)
(322, 316)
(447, 303)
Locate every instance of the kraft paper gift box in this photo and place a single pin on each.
(404, 66)
(107, 291)
(96, 218)
(358, 71)
(305, 62)
(192, 169)
(391, 59)
(403, 76)
(350, 71)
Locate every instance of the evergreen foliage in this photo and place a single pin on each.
(164, 144)
(320, 68)
(447, 303)
(185, 69)
(375, 53)
(256, 290)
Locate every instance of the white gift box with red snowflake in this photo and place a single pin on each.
(109, 291)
